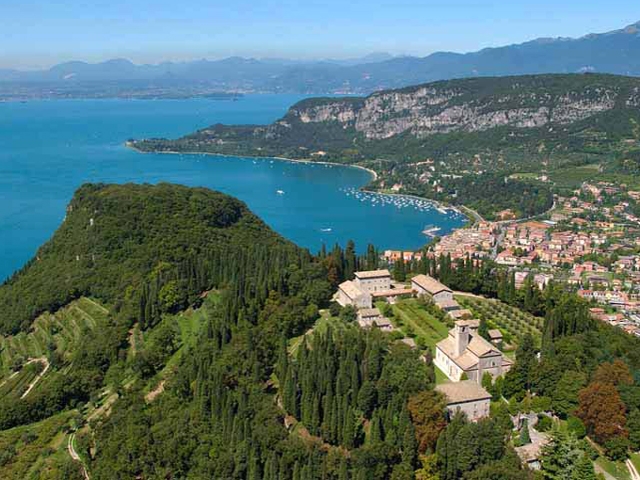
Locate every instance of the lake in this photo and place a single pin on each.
(49, 148)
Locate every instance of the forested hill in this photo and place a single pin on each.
(505, 121)
(131, 246)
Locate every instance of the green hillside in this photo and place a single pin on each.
(117, 238)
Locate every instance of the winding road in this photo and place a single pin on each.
(76, 457)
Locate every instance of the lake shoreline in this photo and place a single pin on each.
(372, 172)
(471, 220)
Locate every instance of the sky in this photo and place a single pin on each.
(41, 33)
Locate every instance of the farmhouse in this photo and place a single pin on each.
(467, 397)
(465, 352)
(432, 288)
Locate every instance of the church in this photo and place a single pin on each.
(465, 352)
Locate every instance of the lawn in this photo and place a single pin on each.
(617, 470)
(410, 317)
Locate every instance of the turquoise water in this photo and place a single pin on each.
(49, 148)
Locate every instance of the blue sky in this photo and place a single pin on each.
(39, 33)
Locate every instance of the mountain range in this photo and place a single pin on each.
(616, 52)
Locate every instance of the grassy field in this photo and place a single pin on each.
(617, 470)
(189, 324)
(63, 330)
(411, 318)
(635, 459)
(37, 451)
(513, 322)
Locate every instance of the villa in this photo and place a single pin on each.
(465, 352)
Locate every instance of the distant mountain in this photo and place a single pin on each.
(616, 52)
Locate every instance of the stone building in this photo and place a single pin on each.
(350, 294)
(465, 352)
(373, 281)
(432, 288)
(467, 397)
(358, 292)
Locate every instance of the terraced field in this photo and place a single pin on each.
(37, 451)
(18, 383)
(62, 330)
(511, 321)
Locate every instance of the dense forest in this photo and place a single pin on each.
(263, 388)
(117, 237)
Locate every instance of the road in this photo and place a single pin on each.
(632, 470)
(76, 458)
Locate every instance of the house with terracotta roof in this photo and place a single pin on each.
(358, 292)
(373, 280)
(349, 293)
(465, 352)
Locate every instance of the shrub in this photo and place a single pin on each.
(617, 448)
(544, 423)
(575, 426)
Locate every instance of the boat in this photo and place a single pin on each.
(280, 192)
(442, 210)
(326, 230)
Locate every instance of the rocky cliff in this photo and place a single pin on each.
(507, 120)
(462, 106)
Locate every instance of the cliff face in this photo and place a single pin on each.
(473, 106)
(476, 122)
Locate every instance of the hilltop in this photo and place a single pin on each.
(119, 242)
(451, 129)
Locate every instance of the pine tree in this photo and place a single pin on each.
(399, 271)
(584, 469)
(633, 426)
(525, 438)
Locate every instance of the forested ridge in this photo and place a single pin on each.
(117, 237)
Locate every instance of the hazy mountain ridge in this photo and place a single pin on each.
(616, 52)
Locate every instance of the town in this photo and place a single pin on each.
(589, 242)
